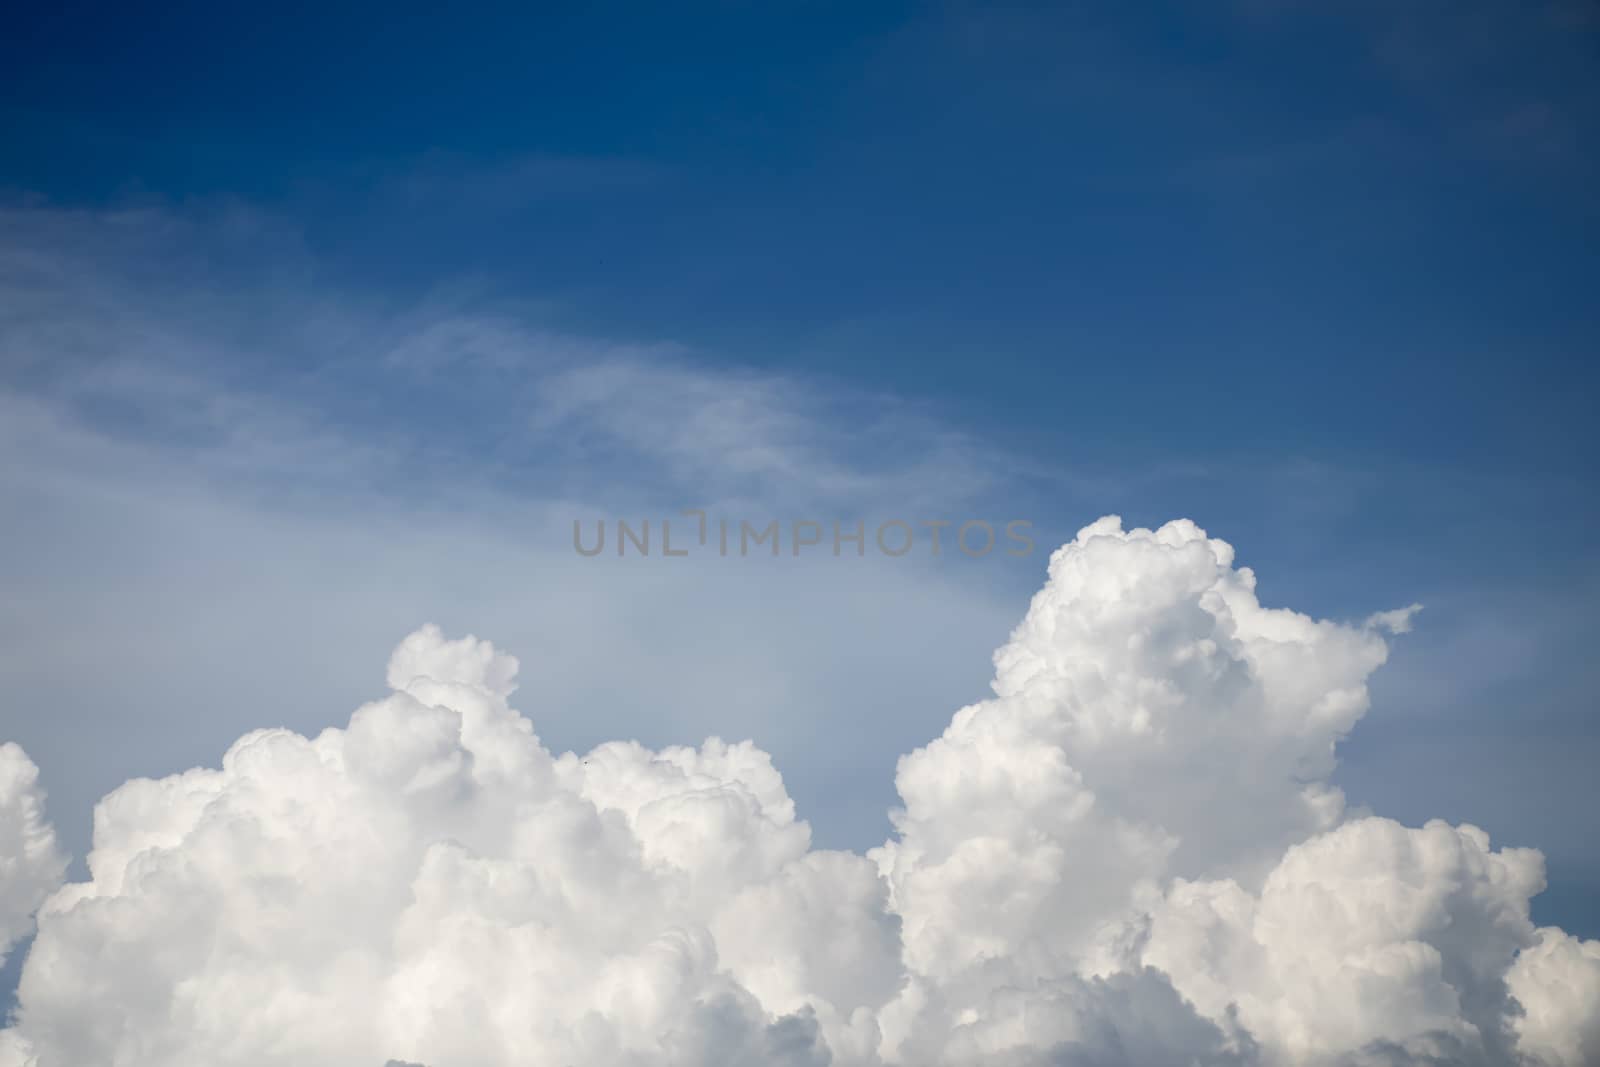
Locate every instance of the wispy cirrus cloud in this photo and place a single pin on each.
(273, 373)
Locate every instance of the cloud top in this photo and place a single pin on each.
(31, 863)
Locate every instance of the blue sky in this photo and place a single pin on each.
(280, 290)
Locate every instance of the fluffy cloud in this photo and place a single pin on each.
(1371, 936)
(1557, 981)
(31, 865)
(1131, 854)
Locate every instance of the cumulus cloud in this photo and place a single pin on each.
(1371, 936)
(1131, 854)
(1557, 982)
(31, 863)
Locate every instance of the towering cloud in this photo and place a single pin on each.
(31, 865)
(1131, 854)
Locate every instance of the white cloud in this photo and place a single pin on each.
(31, 864)
(1557, 982)
(1372, 935)
(1129, 855)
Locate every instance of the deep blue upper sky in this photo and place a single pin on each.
(1264, 223)
(1155, 238)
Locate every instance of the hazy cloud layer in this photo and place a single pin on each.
(1131, 854)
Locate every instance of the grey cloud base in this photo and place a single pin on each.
(1131, 854)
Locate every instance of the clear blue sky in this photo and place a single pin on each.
(1321, 277)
